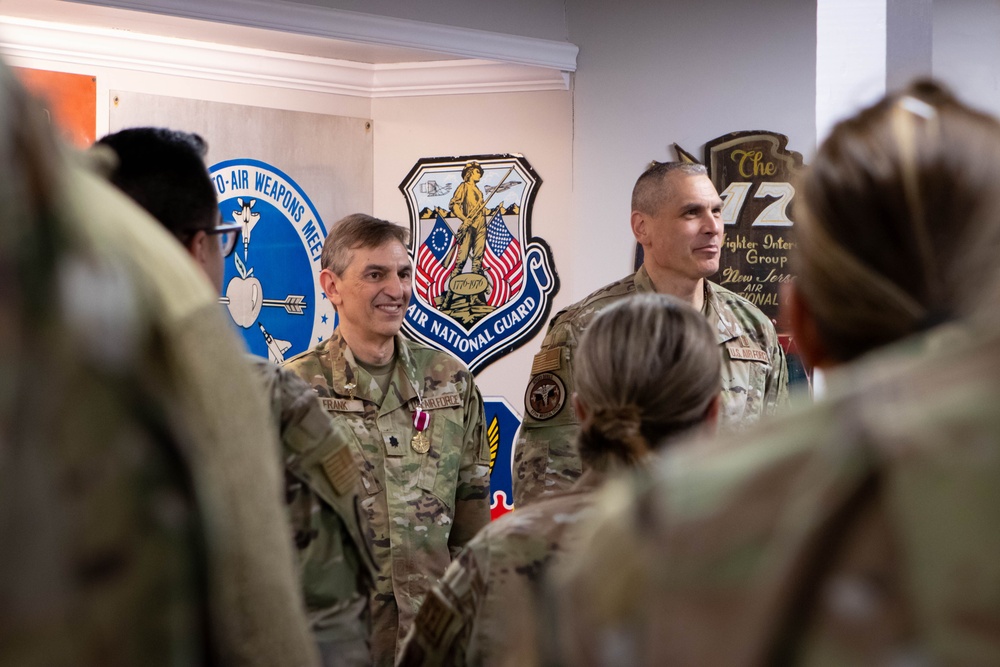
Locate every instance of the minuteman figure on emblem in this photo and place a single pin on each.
(482, 286)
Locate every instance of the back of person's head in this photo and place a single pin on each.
(650, 189)
(164, 172)
(354, 231)
(647, 371)
(896, 216)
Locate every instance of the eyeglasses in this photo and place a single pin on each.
(227, 236)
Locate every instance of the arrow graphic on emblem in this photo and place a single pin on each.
(293, 303)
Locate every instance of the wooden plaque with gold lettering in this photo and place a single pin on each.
(753, 172)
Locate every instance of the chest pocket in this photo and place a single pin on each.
(745, 368)
(440, 466)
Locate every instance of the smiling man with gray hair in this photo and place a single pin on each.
(417, 412)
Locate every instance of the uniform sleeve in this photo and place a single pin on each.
(546, 458)
(443, 627)
(258, 613)
(472, 499)
(776, 383)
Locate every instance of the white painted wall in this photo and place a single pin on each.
(850, 59)
(967, 50)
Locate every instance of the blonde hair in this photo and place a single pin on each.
(897, 217)
(647, 369)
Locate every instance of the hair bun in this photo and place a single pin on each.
(616, 430)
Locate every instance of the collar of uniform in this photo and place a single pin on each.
(643, 283)
(344, 370)
(720, 316)
(404, 379)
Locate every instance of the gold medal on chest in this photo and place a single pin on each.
(421, 443)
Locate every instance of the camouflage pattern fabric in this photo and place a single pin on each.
(102, 557)
(473, 615)
(322, 488)
(862, 530)
(754, 381)
(256, 612)
(421, 508)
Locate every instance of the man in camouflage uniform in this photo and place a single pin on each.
(417, 413)
(861, 530)
(676, 219)
(864, 529)
(323, 484)
(140, 520)
(163, 171)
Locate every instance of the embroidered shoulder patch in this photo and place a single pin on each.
(547, 361)
(339, 469)
(445, 401)
(545, 396)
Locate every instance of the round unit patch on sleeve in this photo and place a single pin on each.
(545, 396)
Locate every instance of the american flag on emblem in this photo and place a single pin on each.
(503, 262)
(432, 274)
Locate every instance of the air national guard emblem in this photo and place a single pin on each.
(483, 286)
(271, 284)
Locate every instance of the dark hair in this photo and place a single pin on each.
(647, 369)
(354, 231)
(650, 190)
(897, 216)
(164, 172)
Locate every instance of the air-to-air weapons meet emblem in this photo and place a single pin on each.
(271, 284)
(483, 286)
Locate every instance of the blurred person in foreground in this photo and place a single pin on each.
(140, 518)
(647, 374)
(862, 529)
(677, 219)
(416, 411)
(164, 171)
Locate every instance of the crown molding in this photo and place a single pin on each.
(367, 28)
(103, 47)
